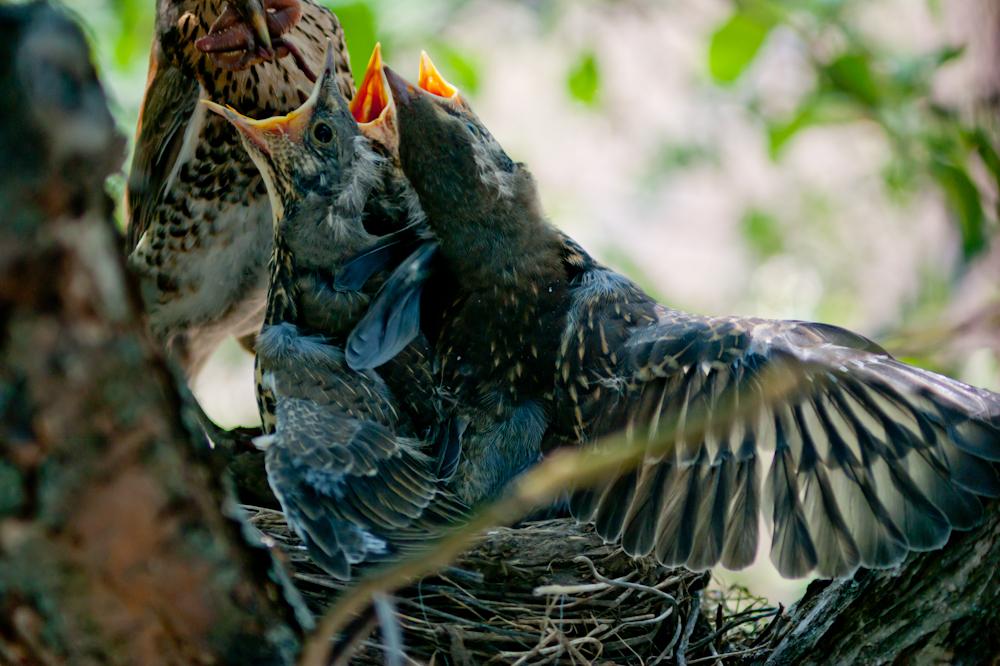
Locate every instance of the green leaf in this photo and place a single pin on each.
(987, 153)
(779, 134)
(762, 233)
(852, 73)
(735, 44)
(584, 79)
(915, 74)
(964, 200)
(822, 107)
(360, 24)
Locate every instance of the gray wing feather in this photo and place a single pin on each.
(866, 457)
(352, 490)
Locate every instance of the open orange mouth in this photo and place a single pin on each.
(430, 79)
(372, 98)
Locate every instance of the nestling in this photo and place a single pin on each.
(863, 457)
(356, 482)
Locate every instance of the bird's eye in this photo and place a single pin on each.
(322, 132)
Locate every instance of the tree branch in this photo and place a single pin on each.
(114, 543)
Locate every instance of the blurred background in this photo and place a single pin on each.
(831, 160)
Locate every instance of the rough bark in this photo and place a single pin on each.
(115, 543)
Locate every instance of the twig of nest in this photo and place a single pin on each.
(551, 592)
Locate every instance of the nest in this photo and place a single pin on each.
(552, 592)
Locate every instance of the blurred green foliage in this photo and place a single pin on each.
(584, 79)
(360, 23)
(763, 233)
(859, 80)
(735, 43)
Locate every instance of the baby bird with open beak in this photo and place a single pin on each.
(852, 457)
(347, 462)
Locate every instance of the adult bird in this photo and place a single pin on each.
(344, 456)
(199, 221)
(853, 457)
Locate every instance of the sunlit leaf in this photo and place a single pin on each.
(584, 79)
(135, 24)
(964, 200)
(360, 24)
(735, 43)
(779, 134)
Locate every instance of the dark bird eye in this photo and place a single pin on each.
(322, 132)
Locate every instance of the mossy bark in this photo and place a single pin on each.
(118, 542)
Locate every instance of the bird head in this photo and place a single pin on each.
(249, 31)
(314, 150)
(456, 166)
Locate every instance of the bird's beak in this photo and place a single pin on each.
(240, 32)
(429, 82)
(258, 23)
(430, 79)
(260, 133)
(372, 98)
(373, 107)
(403, 92)
(291, 127)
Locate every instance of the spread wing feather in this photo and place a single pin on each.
(864, 457)
(393, 318)
(351, 486)
(352, 490)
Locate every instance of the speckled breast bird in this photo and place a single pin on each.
(199, 222)
(857, 461)
(342, 457)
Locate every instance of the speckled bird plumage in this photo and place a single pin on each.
(345, 456)
(199, 229)
(860, 460)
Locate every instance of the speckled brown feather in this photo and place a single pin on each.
(199, 220)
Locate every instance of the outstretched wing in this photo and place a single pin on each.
(170, 101)
(863, 458)
(351, 489)
(351, 486)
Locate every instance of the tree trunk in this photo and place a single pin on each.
(115, 546)
(119, 544)
(938, 607)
